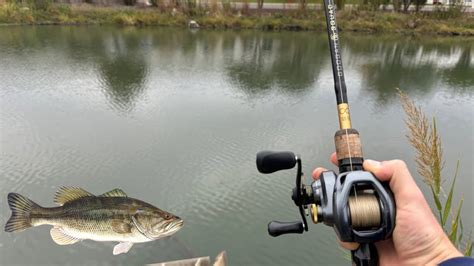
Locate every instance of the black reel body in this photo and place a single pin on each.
(333, 195)
(336, 201)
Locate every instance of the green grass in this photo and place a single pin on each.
(350, 20)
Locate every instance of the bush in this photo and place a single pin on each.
(372, 5)
(41, 4)
(14, 13)
(124, 20)
(455, 10)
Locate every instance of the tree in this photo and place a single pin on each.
(406, 5)
(397, 5)
(129, 2)
(340, 4)
(302, 4)
(419, 4)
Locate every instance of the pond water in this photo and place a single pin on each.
(175, 118)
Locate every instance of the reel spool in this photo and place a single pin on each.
(365, 211)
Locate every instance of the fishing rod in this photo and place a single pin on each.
(359, 207)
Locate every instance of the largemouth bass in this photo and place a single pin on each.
(111, 216)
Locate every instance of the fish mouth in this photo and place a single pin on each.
(174, 226)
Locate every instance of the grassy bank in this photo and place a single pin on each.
(363, 21)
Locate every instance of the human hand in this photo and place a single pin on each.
(417, 239)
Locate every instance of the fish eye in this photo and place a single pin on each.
(167, 216)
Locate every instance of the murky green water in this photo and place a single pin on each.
(175, 118)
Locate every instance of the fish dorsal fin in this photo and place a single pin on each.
(114, 193)
(61, 238)
(66, 194)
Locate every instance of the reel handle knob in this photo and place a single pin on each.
(271, 161)
(280, 228)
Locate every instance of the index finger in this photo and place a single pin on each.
(334, 159)
(317, 172)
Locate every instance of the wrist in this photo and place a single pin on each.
(444, 251)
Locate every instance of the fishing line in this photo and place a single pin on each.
(365, 211)
(349, 150)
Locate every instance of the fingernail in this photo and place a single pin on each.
(373, 162)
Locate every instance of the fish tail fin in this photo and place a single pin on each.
(21, 208)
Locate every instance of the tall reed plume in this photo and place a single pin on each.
(426, 141)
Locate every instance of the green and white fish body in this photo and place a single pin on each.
(112, 216)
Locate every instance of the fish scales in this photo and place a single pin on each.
(112, 216)
(92, 217)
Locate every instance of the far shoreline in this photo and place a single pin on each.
(372, 22)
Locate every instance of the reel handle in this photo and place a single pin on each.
(280, 228)
(271, 161)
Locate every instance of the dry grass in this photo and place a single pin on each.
(426, 141)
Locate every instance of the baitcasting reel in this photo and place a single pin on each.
(359, 207)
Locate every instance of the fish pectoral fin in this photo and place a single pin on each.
(114, 193)
(122, 247)
(66, 194)
(61, 238)
(121, 226)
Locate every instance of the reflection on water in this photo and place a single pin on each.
(415, 64)
(460, 75)
(123, 69)
(177, 117)
(263, 62)
(256, 62)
